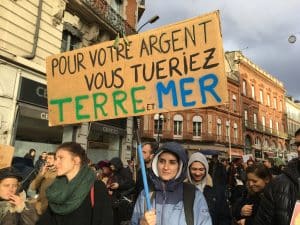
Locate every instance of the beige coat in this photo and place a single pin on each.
(41, 183)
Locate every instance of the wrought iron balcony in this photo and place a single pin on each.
(263, 129)
(103, 10)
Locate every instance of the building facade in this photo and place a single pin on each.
(263, 110)
(42, 28)
(214, 128)
(253, 121)
(293, 122)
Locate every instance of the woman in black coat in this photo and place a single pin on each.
(245, 209)
(121, 188)
(75, 197)
(279, 198)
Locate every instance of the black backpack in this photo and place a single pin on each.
(189, 191)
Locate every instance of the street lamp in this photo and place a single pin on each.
(151, 20)
(160, 120)
(292, 39)
(229, 134)
(116, 42)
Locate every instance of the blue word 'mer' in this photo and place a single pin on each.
(207, 84)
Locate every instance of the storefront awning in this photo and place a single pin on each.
(32, 111)
(32, 125)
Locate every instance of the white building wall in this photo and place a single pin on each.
(17, 29)
(7, 101)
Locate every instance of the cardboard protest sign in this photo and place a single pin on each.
(6, 155)
(296, 214)
(176, 67)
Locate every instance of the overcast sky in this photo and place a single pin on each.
(259, 28)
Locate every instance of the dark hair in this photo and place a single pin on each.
(76, 149)
(52, 154)
(32, 150)
(297, 133)
(10, 172)
(270, 161)
(260, 171)
(153, 146)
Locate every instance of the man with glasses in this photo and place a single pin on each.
(279, 199)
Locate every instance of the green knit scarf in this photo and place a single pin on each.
(64, 196)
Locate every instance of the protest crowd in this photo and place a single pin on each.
(65, 187)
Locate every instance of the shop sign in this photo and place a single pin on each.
(176, 67)
(33, 92)
(33, 112)
(97, 129)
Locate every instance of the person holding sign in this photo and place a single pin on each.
(169, 195)
(14, 210)
(280, 197)
(75, 197)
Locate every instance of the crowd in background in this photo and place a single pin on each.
(65, 187)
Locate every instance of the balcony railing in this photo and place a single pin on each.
(263, 129)
(102, 9)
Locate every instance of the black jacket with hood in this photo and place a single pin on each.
(277, 204)
(122, 175)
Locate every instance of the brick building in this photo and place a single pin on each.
(255, 122)
(293, 121)
(263, 110)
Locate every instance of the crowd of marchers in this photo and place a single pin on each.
(65, 188)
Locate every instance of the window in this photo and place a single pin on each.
(273, 146)
(275, 103)
(246, 117)
(255, 120)
(178, 119)
(263, 120)
(252, 91)
(261, 96)
(158, 123)
(69, 41)
(266, 145)
(244, 87)
(268, 100)
(257, 142)
(280, 106)
(219, 128)
(271, 126)
(197, 126)
(277, 127)
(227, 130)
(234, 102)
(117, 5)
(235, 132)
